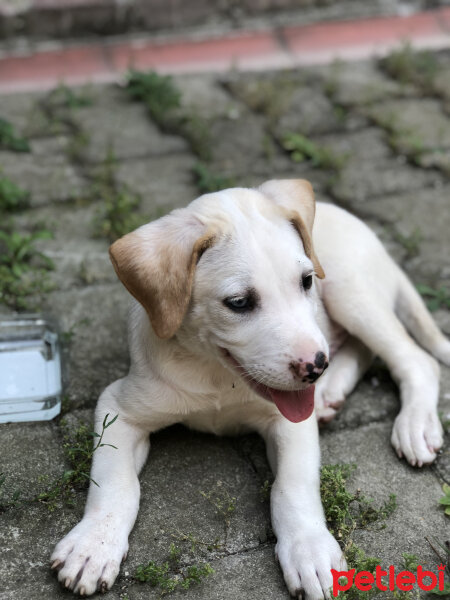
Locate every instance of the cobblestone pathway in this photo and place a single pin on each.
(373, 138)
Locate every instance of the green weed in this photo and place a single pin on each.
(346, 511)
(171, 575)
(156, 91)
(407, 65)
(79, 448)
(196, 542)
(410, 242)
(12, 197)
(163, 101)
(445, 499)
(23, 269)
(55, 114)
(207, 181)
(403, 140)
(8, 502)
(77, 146)
(10, 140)
(410, 562)
(407, 142)
(117, 215)
(434, 298)
(443, 556)
(223, 502)
(268, 97)
(265, 490)
(196, 131)
(68, 98)
(302, 149)
(66, 337)
(268, 146)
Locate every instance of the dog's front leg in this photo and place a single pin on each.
(89, 557)
(305, 548)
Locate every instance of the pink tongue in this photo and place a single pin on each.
(295, 406)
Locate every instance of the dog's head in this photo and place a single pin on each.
(233, 277)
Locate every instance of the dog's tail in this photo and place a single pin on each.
(414, 315)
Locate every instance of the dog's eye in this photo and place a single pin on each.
(240, 303)
(307, 281)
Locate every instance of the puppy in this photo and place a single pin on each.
(234, 323)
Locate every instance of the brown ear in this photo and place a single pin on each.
(296, 196)
(156, 263)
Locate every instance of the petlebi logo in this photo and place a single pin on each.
(403, 581)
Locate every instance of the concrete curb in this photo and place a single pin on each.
(287, 47)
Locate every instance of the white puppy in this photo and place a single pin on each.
(233, 324)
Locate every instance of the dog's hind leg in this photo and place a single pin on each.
(346, 368)
(417, 432)
(416, 318)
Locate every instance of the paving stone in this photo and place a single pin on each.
(98, 353)
(28, 538)
(374, 399)
(439, 159)
(163, 182)
(365, 145)
(203, 95)
(46, 172)
(78, 258)
(441, 81)
(293, 101)
(242, 146)
(20, 110)
(351, 84)
(311, 112)
(31, 457)
(251, 575)
(182, 464)
(114, 123)
(268, 94)
(426, 212)
(235, 146)
(377, 399)
(417, 124)
(90, 304)
(380, 473)
(360, 183)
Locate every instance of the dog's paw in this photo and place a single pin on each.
(88, 558)
(417, 435)
(327, 402)
(306, 562)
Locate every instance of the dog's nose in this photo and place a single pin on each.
(309, 371)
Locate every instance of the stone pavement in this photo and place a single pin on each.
(376, 141)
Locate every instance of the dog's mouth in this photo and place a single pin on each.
(295, 405)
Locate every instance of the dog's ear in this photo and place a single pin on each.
(156, 263)
(296, 196)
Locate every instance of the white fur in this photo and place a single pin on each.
(187, 379)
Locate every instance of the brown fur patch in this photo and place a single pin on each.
(296, 197)
(160, 276)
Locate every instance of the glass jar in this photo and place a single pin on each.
(30, 369)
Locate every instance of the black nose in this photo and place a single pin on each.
(307, 371)
(320, 360)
